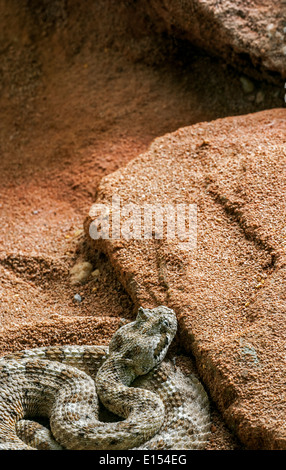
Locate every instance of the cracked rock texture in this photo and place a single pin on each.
(241, 32)
(228, 290)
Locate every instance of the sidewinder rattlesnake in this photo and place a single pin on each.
(163, 409)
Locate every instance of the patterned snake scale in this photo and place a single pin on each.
(162, 409)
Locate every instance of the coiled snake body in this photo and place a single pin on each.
(162, 409)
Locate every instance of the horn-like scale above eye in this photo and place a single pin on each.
(144, 314)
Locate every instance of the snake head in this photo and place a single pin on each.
(141, 345)
(161, 319)
(157, 328)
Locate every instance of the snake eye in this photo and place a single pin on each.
(165, 323)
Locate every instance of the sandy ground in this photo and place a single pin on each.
(72, 111)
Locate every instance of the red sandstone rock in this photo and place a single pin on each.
(228, 292)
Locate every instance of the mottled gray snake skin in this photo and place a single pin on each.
(160, 407)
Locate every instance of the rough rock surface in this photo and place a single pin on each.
(228, 291)
(238, 30)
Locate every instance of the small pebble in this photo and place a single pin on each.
(279, 36)
(247, 85)
(270, 30)
(259, 97)
(95, 274)
(77, 298)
